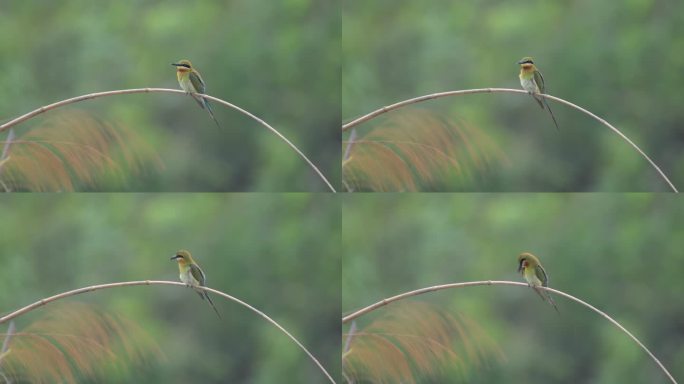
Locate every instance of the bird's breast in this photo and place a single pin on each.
(528, 83)
(184, 81)
(531, 277)
(187, 278)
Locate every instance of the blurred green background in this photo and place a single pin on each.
(278, 60)
(620, 253)
(279, 253)
(622, 61)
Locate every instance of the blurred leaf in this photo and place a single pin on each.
(416, 339)
(75, 341)
(71, 150)
(414, 150)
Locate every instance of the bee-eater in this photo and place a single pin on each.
(535, 275)
(191, 82)
(533, 82)
(192, 275)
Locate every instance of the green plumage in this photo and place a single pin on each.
(532, 81)
(535, 275)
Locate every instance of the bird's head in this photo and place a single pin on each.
(183, 66)
(526, 62)
(183, 257)
(527, 260)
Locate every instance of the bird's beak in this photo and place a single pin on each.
(520, 62)
(174, 257)
(520, 266)
(175, 64)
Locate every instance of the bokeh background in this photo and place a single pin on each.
(622, 61)
(279, 253)
(620, 253)
(278, 60)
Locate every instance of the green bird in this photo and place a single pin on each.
(535, 275)
(532, 81)
(191, 82)
(192, 275)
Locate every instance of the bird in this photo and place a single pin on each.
(191, 82)
(192, 275)
(532, 81)
(535, 275)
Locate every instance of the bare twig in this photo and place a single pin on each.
(350, 144)
(92, 288)
(345, 350)
(414, 100)
(72, 100)
(8, 143)
(350, 336)
(404, 295)
(5, 349)
(10, 331)
(6, 149)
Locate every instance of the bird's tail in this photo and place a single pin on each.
(552, 116)
(206, 295)
(211, 112)
(547, 297)
(539, 100)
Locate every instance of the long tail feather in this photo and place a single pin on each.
(211, 113)
(199, 100)
(552, 303)
(552, 116)
(546, 297)
(206, 295)
(538, 99)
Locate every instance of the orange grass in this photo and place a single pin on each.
(71, 150)
(415, 150)
(415, 340)
(74, 342)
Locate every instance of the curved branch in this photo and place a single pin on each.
(92, 288)
(414, 100)
(404, 295)
(76, 99)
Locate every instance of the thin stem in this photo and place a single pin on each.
(6, 149)
(92, 288)
(277, 134)
(350, 144)
(404, 295)
(76, 99)
(414, 100)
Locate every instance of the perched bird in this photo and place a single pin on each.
(192, 275)
(535, 275)
(191, 82)
(532, 81)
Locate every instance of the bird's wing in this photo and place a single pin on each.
(539, 79)
(197, 274)
(541, 275)
(197, 82)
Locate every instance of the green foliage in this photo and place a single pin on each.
(72, 343)
(623, 61)
(278, 60)
(620, 253)
(279, 253)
